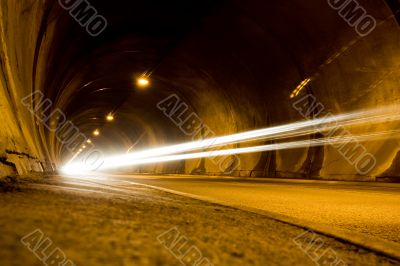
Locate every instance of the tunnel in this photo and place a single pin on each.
(215, 68)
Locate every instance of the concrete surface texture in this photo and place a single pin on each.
(21, 147)
(94, 224)
(235, 63)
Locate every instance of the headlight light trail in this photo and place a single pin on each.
(111, 164)
(297, 129)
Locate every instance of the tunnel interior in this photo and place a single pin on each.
(233, 64)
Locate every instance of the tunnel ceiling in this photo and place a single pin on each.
(234, 63)
(89, 76)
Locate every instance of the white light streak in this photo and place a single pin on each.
(79, 168)
(174, 152)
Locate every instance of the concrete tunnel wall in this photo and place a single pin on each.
(22, 146)
(236, 71)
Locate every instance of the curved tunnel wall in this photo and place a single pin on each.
(236, 69)
(22, 143)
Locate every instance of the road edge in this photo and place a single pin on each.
(377, 245)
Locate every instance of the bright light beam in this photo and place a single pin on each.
(385, 114)
(262, 148)
(308, 127)
(78, 168)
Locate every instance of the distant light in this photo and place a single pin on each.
(110, 117)
(300, 87)
(96, 132)
(84, 147)
(143, 82)
(89, 141)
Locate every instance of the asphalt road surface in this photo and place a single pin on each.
(116, 221)
(368, 208)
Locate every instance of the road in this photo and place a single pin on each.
(116, 221)
(368, 208)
